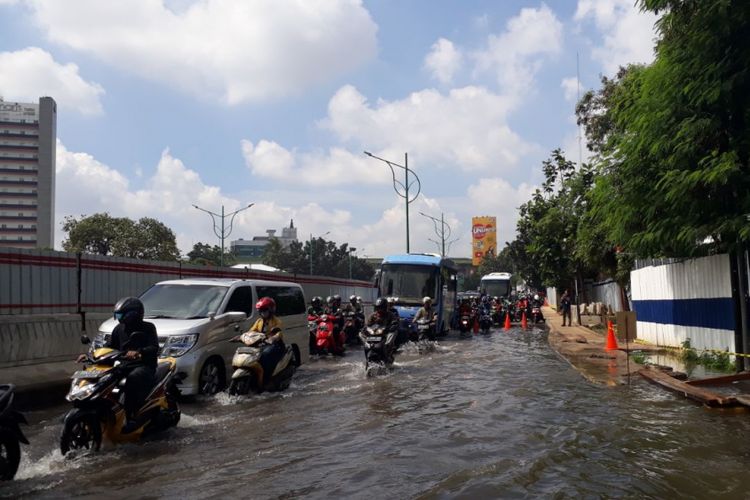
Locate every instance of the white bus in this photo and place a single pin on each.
(495, 284)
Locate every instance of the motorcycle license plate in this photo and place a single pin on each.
(374, 339)
(247, 350)
(88, 374)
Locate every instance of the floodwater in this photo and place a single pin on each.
(501, 416)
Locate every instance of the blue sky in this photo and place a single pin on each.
(162, 104)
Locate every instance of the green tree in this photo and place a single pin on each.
(209, 255)
(673, 176)
(102, 234)
(328, 258)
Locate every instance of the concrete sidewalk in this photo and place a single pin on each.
(584, 350)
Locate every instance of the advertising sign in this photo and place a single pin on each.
(483, 238)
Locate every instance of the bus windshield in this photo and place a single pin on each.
(496, 288)
(408, 282)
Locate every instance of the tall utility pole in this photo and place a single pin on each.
(443, 232)
(404, 186)
(223, 232)
(351, 249)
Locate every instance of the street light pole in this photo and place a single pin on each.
(223, 232)
(404, 192)
(311, 249)
(444, 232)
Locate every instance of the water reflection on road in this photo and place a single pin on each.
(484, 417)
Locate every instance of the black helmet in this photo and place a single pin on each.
(329, 300)
(337, 299)
(353, 299)
(381, 304)
(316, 301)
(129, 310)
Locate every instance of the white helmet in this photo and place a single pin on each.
(426, 300)
(536, 296)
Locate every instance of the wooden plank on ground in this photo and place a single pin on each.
(724, 379)
(704, 396)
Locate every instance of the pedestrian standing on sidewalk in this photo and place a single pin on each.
(565, 307)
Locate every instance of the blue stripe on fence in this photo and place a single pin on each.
(705, 313)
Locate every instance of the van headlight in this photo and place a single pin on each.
(177, 345)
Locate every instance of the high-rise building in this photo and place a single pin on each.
(28, 134)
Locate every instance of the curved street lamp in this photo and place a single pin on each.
(223, 232)
(404, 186)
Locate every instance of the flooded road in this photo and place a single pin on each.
(477, 418)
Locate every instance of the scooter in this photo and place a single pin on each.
(464, 325)
(485, 322)
(11, 434)
(249, 374)
(536, 314)
(352, 325)
(379, 349)
(97, 393)
(425, 329)
(327, 339)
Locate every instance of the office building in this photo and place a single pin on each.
(253, 250)
(28, 133)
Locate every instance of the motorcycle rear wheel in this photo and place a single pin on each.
(83, 431)
(10, 455)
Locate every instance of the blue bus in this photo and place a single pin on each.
(410, 277)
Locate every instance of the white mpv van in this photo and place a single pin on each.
(195, 318)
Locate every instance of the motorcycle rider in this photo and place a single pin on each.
(333, 303)
(145, 348)
(426, 312)
(383, 316)
(270, 325)
(316, 306)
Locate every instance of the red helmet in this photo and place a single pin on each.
(266, 304)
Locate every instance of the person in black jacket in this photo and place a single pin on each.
(143, 348)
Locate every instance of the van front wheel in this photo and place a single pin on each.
(210, 378)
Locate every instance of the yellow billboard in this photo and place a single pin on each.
(483, 238)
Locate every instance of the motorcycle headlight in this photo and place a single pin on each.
(177, 345)
(80, 391)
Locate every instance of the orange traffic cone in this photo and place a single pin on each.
(507, 322)
(524, 323)
(611, 340)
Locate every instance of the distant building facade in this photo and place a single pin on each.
(253, 250)
(28, 135)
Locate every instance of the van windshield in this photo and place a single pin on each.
(182, 301)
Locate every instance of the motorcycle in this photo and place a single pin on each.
(379, 349)
(97, 393)
(485, 322)
(352, 325)
(327, 339)
(249, 374)
(536, 314)
(11, 434)
(464, 325)
(425, 329)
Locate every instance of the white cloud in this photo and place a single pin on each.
(515, 55)
(334, 167)
(570, 88)
(86, 186)
(223, 49)
(27, 74)
(628, 34)
(466, 128)
(443, 61)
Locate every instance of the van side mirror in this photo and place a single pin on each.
(85, 340)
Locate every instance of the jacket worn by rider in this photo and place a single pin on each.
(386, 319)
(424, 313)
(266, 325)
(147, 345)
